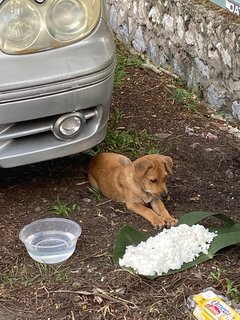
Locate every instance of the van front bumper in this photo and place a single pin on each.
(33, 140)
(28, 113)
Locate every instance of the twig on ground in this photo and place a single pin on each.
(97, 255)
(18, 312)
(81, 183)
(72, 315)
(102, 203)
(100, 293)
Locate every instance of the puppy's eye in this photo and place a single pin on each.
(154, 180)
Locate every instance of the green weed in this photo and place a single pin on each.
(63, 209)
(224, 114)
(115, 118)
(27, 275)
(129, 142)
(124, 61)
(58, 273)
(96, 194)
(232, 291)
(216, 275)
(188, 99)
(10, 277)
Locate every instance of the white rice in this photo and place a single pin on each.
(168, 250)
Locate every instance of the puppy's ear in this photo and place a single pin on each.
(168, 164)
(142, 166)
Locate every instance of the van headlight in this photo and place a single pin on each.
(20, 25)
(66, 19)
(29, 26)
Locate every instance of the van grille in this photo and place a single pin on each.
(33, 127)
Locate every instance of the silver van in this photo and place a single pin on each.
(57, 60)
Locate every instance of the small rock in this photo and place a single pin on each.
(37, 209)
(77, 284)
(76, 298)
(229, 174)
(162, 135)
(121, 290)
(195, 145)
(87, 200)
(195, 198)
(211, 136)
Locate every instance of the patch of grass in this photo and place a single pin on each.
(232, 291)
(10, 277)
(97, 195)
(188, 99)
(130, 142)
(58, 273)
(115, 117)
(64, 209)
(124, 61)
(224, 114)
(28, 275)
(216, 275)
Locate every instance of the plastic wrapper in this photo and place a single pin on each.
(211, 305)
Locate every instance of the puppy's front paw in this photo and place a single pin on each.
(170, 221)
(157, 222)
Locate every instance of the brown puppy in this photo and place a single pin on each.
(137, 184)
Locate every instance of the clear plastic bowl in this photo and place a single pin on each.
(50, 240)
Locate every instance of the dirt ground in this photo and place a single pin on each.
(89, 285)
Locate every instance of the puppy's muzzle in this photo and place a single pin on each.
(164, 194)
(160, 195)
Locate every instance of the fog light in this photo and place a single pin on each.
(68, 125)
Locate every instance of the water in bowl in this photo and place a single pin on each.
(51, 246)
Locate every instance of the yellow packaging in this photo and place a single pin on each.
(209, 306)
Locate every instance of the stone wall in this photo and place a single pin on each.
(196, 43)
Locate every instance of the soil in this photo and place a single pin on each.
(89, 285)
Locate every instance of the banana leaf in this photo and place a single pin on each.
(228, 234)
(194, 217)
